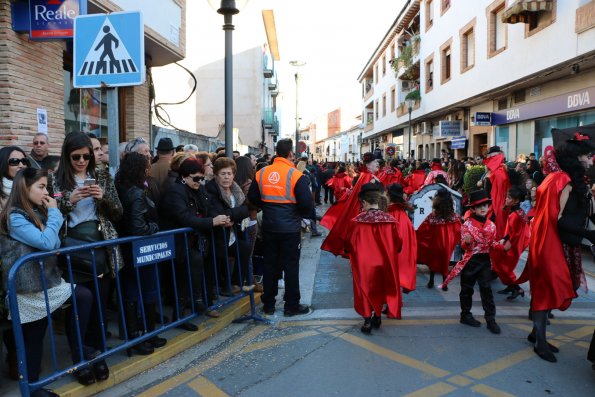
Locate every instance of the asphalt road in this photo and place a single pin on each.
(426, 353)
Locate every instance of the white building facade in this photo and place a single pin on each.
(486, 73)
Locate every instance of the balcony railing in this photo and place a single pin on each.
(273, 81)
(269, 117)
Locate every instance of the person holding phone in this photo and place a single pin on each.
(89, 201)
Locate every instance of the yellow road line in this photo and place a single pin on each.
(460, 380)
(435, 390)
(580, 332)
(500, 364)
(206, 388)
(490, 391)
(308, 323)
(278, 341)
(191, 373)
(583, 344)
(400, 358)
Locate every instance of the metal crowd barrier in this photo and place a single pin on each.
(159, 252)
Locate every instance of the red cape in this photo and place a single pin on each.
(339, 215)
(407, 258)
(504, 262)
(390, 175)
(436, 242)
(414, 181)
(372, 245)
(546, 268)
(500, 185)
(340, 182)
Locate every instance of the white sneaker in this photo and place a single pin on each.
(281, 284)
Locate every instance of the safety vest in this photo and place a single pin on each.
(277, 181)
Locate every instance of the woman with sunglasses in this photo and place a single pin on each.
(186, 204)
(89, 202)
(12, 160)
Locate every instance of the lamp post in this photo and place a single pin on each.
(228, 8)
(297, 64)
(410, 108)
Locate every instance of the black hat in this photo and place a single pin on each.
(368, 157)
(395, 192)
(165, 145)
(494, 149)
(372, 187)
(478, 197)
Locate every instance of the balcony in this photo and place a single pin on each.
(268, 65)
(269, 118)
(273, 81)
(369, 127)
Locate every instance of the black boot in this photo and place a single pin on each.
(431, 282)
(155, 341)
(367, 327)
(539, 329)
(516, 291)
(506, 290)
(188, 326)
(132, 328)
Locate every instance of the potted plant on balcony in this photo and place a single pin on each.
(414, 95)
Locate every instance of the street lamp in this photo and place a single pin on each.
(297, 64)
(410, 103)
(228, 8)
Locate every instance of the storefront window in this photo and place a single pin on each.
(524, 135)
(502, 140)
(85, 109)
(543, 128)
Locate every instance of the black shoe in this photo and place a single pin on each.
(546, 355)
(515, 293)
(505, 291)
(297, 311)
(444, 287)
(550, 315)
(315, 234)
(430, 283)
(268, 310)
(367, 327)
(101, 370)
(85, 376)
(493, 327)
(531, 338)
(188, 327)
(470, 320)
(376, 321)
(142, 348)
(157, 342)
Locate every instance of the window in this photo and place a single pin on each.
(376, 108)
(393, 99)
(467, 35)
(496, 28)
(383, 105)
(376, 74)
(429, 62)
(445, 62)
(519, 96)
(384, 65)
(392, 51)
(444, 6)
(429, 14)
(540, 20)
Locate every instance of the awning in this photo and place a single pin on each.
(521, 10)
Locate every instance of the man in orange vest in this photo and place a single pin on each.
(283, 194)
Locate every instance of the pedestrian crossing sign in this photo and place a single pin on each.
(109, 50)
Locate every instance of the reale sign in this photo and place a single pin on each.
(53, 19)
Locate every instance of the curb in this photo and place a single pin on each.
(133, 366)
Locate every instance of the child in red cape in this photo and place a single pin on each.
(339, 215)
(515, 241)
(340, 182)
(372, 245)
(438, 235)
(407, 258)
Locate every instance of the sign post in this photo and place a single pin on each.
(109, 52)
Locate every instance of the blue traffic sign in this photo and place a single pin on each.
(109, 50)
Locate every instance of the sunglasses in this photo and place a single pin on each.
(77, 157)
(197, 179)
(14, 162)
(38, 143)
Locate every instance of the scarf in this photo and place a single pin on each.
(6, 185)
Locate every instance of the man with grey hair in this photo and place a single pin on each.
(190, 148)
(39, 154)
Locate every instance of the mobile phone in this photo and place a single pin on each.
(90, 181)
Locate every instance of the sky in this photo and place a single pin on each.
(335, 38)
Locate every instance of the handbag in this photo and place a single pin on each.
(82, 261)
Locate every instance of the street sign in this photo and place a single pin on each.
(53, 19)
(109, 50)
(390, 151)
(302, 146)
(483, 119)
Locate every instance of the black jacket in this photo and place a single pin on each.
(182, 206)
(220, 206)
(284, 218)
(139, 216)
